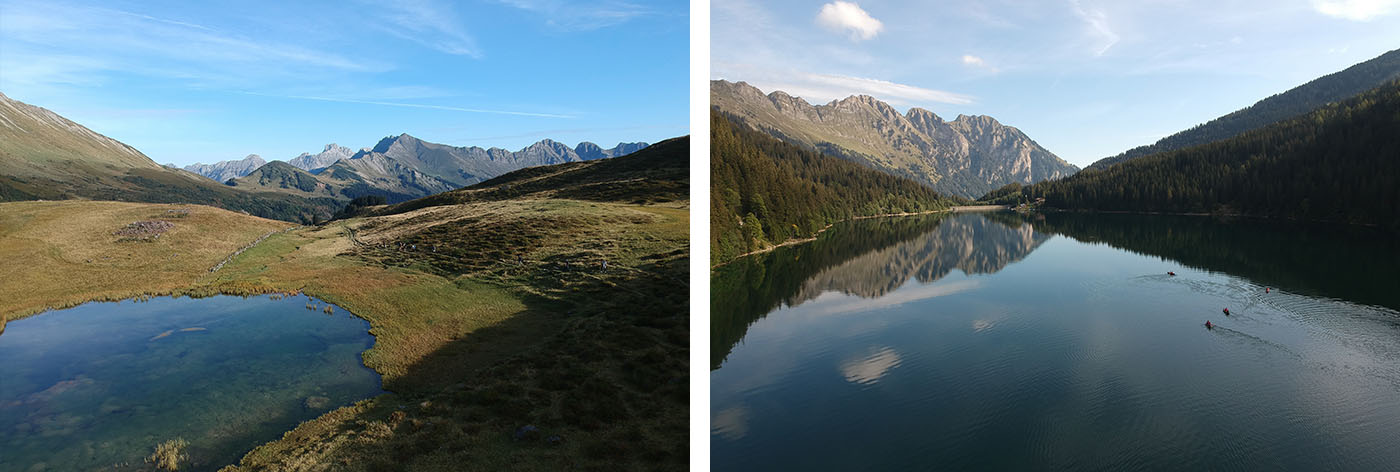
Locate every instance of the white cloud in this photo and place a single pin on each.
(1356, 10)
(1097, 21)
(884, 89)
(823, 88)
(849, 17)
(732, 423)
(978, 62)
(868, 370)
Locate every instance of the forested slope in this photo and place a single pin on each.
(1337, 163)
(765, 191)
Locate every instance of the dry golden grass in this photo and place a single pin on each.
(475, 349)
(59, 254)
(169, 454)
(596, 357)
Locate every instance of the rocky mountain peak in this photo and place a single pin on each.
(384, 144)
(920, 114)
(983, 121)
(966, 157)
(223, 170)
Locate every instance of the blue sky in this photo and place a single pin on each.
(1086, 79)
(206, 81)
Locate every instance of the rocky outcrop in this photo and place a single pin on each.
(462, 166)
(968, 156)
(315, 162)
(222, 171)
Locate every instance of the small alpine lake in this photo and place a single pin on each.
(995, 341)
(99, 385)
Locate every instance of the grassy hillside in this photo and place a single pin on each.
(765, 191)
(1302, 99)
(1338, 163)
(44, 156)
(488, 316)
(516, 324)
(57, 254)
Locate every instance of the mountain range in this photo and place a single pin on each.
(398, 167)
(222, 171)
(46, 156)
(966, 157)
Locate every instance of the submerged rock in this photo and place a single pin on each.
(316, 402)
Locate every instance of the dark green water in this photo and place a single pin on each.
(99, 385)
(996, 342)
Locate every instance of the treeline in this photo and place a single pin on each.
(1337, 261)
(1009, 194)
(765, 191)
(1302, 99)
(1338, 163)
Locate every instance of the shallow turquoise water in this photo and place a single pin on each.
(992, 342)
(99, 385)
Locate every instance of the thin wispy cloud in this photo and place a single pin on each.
(414, 105)
(847, 17)
(582, 16)
(1097, 21)
(1357, 10)
(101, 41)
(430, 23)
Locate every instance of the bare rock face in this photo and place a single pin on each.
(968, 156)
(462, 166)
(315, 162)
(223, 170)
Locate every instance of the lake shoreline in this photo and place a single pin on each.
(795, 241)
(1217, 215)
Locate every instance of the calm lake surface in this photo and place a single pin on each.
(99, 385)
(1000, 342)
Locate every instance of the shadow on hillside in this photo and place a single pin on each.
(595, 366)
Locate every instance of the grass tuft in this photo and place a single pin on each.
(169, 454)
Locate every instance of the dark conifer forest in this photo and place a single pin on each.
(1338, 163)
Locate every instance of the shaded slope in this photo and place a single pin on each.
(1296, 101)
(658, 173)
(1338, 163)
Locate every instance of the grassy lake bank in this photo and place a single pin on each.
(502, 335)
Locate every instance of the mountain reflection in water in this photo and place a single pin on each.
(872, 258)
